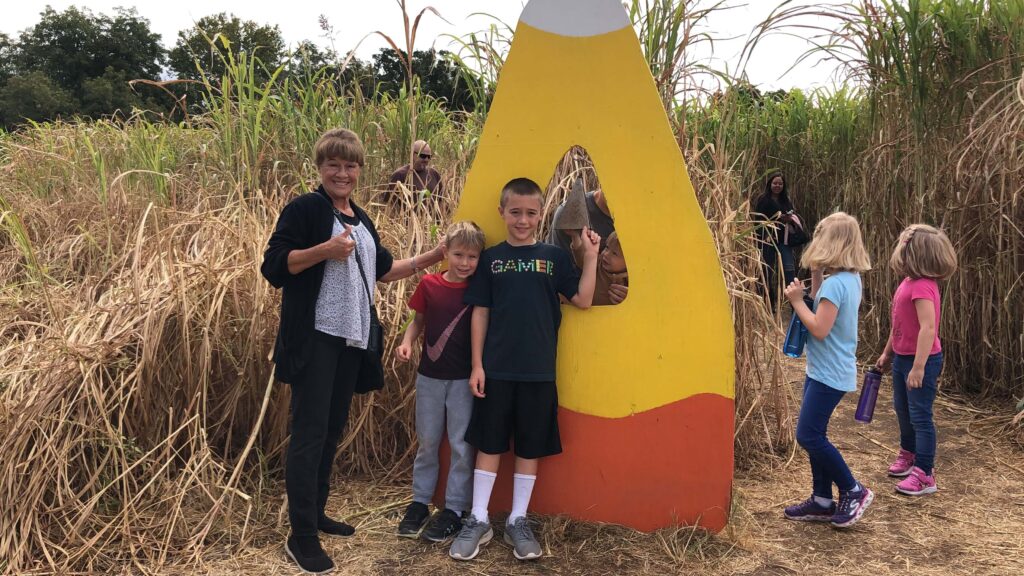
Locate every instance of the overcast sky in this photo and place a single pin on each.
(352, 20)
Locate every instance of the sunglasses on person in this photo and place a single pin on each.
(425, 156)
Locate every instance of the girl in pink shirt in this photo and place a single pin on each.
(923, 255)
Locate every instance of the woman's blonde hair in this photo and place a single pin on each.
(340, 143)
(923, 251)
(466, 234)
(837, 245)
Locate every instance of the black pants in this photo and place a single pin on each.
(320, 405)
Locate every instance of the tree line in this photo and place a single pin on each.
(79, 64)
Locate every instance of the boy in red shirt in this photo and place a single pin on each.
(442, 386)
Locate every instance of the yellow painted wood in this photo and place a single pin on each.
(672, 337)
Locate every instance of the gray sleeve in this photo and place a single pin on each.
(556, 236)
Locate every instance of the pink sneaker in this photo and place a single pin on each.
(917, 483)
(901, 467)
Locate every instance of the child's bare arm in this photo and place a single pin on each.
(404, 350)
(925, 338)
(477, 335)
(584, 297)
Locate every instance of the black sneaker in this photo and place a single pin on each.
(307, 553)
(443, 526)
(416, 516)
(334, 528)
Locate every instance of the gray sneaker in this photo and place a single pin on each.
(520, 537)
(474, 534)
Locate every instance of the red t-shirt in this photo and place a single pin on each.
(905, 325)
(446, 346)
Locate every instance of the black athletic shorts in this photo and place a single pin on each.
(527, 412)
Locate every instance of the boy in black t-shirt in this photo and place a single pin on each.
(514, 335)
(443, 398)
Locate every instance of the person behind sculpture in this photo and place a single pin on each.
(597, 213)
(576, 213)
(838, 249)
(776, 210)
(424, 176)
(442, 386)
(514, 342)
(923, 256)
(611, 271)
(325, 255)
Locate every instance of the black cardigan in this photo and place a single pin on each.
(306, 221)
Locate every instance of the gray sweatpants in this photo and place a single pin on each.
(436, 399)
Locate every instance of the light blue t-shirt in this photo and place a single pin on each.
(833, 361)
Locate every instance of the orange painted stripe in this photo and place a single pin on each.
(667, 466)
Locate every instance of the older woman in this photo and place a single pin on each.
(326, 256)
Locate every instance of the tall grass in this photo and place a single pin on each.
(944, 92)
(138, 419)
(922, 133)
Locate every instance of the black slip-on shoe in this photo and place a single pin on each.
(308, 555)
(334, 528)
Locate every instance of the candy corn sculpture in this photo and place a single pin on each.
(645, 387)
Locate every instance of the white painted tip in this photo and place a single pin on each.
(575, 17)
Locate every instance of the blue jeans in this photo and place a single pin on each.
(914, 408)
(827, 464)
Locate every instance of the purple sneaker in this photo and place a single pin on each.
(810, 511)
(852, 506)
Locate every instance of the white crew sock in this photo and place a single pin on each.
(522, 489)
(823, 502)
(483, 483)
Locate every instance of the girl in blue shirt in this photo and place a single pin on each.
(838, 249)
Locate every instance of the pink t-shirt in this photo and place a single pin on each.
(905, 325)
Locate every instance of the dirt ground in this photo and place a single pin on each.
(973, 525)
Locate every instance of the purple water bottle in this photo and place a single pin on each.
(868, 396)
